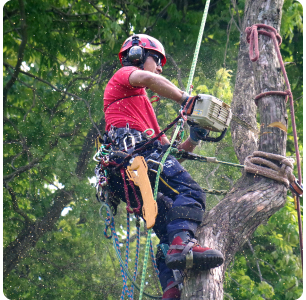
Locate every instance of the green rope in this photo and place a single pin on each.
(143, 275)
(197, 49)
(181, 154)
(214, 192)
(195, 58)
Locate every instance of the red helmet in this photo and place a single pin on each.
(146, 42)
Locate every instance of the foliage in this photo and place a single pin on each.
(269, 265)
(52, 109)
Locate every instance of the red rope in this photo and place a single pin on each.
(252, 38)
(126, 191)
(287, 93)
(137, 209)
(157, 98)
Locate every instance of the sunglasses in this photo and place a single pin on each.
(156, 58)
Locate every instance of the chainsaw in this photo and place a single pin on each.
(212, 114)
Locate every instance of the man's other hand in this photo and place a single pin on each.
(197, 133)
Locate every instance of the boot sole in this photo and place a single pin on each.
(201, 261)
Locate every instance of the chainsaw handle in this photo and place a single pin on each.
(214, 140)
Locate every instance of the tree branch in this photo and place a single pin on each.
(100, 11)
(30, 165)
(160, 15)
(60, 91)
(16, 207)
(87, 149)
(27, 239)
(228, 31)
(178, 71)
(20, 53)
(238, 16)
(23, 140)
(212, 173)
(48, 83)
(265, 262)
(257, 264)
(58, 11)
(9, 14)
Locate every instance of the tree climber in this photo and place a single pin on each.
(181, 201)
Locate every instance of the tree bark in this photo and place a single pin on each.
(253, 199)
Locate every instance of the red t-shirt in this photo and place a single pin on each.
(124, 104)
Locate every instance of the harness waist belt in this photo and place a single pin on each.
(125, 138)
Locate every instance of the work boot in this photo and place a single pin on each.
(185, 253)
(171, 292)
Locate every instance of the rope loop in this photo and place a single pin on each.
(109, 220)
(261, 163)
(279, 93)
(252, 38)
(105, 233)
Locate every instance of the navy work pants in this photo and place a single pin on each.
(180, 193)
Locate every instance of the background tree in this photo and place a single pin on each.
(58, 57)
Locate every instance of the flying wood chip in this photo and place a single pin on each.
(279, 125)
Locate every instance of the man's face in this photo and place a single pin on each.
(153, 63)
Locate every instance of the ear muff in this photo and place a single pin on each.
(136, 55)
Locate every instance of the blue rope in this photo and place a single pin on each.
(109, 223)
(153, 258)
(137, 252)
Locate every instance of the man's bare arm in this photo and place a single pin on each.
(157, 84)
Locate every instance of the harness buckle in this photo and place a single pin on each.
(155, 162)
(178, 278)
(189, 260)
(124, 141)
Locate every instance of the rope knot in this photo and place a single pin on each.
(260, 163)
(289, 94)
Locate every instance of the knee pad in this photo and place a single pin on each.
(185, 212)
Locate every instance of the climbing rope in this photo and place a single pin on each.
(178, 127)
(137, 252)
(214, 192)
(252, 38)
(197, 49)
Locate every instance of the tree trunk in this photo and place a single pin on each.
(253, 199)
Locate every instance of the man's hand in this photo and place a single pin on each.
(197, 133)
(188, 104)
